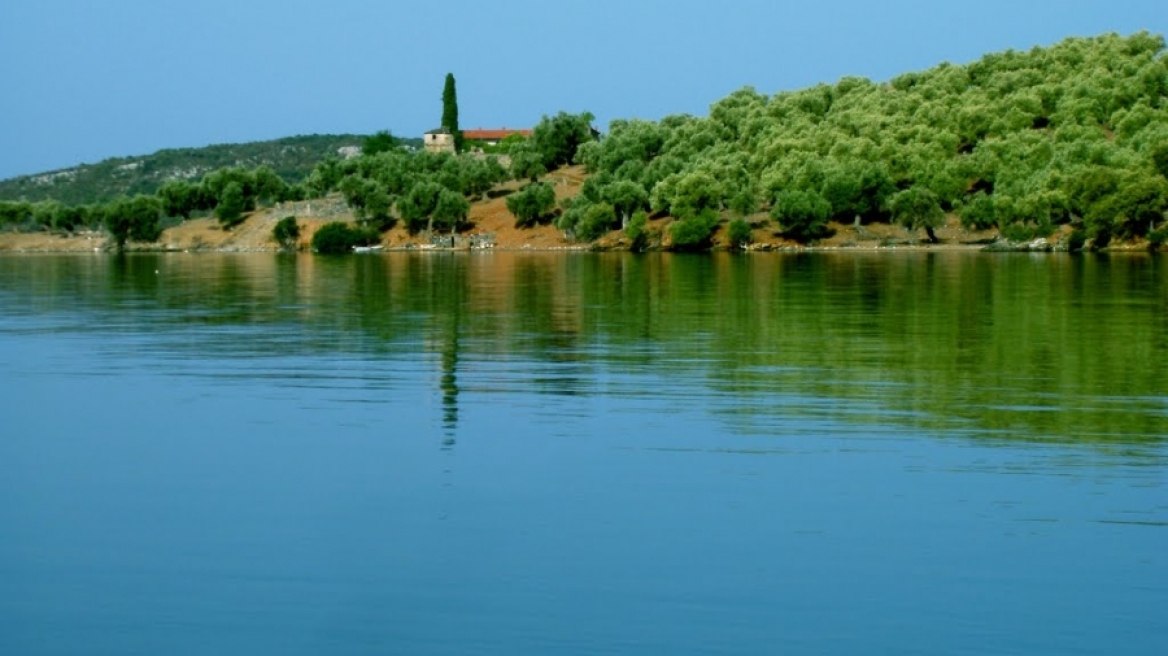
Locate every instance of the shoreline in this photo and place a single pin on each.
(496, 228)
(492, 227)
(19, 246)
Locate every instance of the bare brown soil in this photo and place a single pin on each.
(490, 216)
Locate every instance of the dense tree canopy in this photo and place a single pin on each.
(1074, 133)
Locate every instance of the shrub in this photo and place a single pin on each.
(694, 232)
(978, 212)
(740, 233)
(1018, 232)
(1158, 238)
(595, 221)
(636, 232)
(802, 214)
(337, 238)
(286, 232)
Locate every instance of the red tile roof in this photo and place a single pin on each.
(499, 134)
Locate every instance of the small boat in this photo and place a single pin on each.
(368, 249)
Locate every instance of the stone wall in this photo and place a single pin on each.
(318, 208)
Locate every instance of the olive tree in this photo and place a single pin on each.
(532, 204)
(917, 208)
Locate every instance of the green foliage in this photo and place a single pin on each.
(557, 138)
(1037, 138)
(216, 183)
(292, 158)
(371, 202)
(43, 213)
(380, 142)
(451, 210)
(133, 219)
(695, 194)
(1018, 232)
(1076, 240)
(232, 204)
(13, 215)
(1159, 152)
(286, 232)
(337, 238)
(481, 175)
(181, 198)
(626, 198)
(917, 207)
(269, 187)
(637, 232)
(694, 231)
(324, 178)
(378, 210)
(532, 204)
(739, 233)
(450, 111)
(1157, 238)
(526, 161)
(417, 207)
(1119, 202)
(743, 202)
(295, 193)
(802, 215)
(595, 222)
(978, 212)
(70, 218)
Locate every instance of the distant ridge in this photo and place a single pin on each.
(291, 157)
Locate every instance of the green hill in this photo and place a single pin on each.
(1076, 133)
(292, 158)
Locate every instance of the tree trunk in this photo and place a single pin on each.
(932, 236)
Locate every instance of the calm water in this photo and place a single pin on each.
(515, 453)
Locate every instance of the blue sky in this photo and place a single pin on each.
(85, 80)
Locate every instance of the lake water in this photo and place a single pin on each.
(525, 453)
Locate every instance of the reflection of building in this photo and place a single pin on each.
(494, 136)
(439, 140)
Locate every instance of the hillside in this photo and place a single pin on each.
(1065, 145)
(292, 158)
(1074, 134)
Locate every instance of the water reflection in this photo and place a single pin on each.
(999, 348)
(506, 453)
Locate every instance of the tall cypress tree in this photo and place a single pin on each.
(450, 111)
